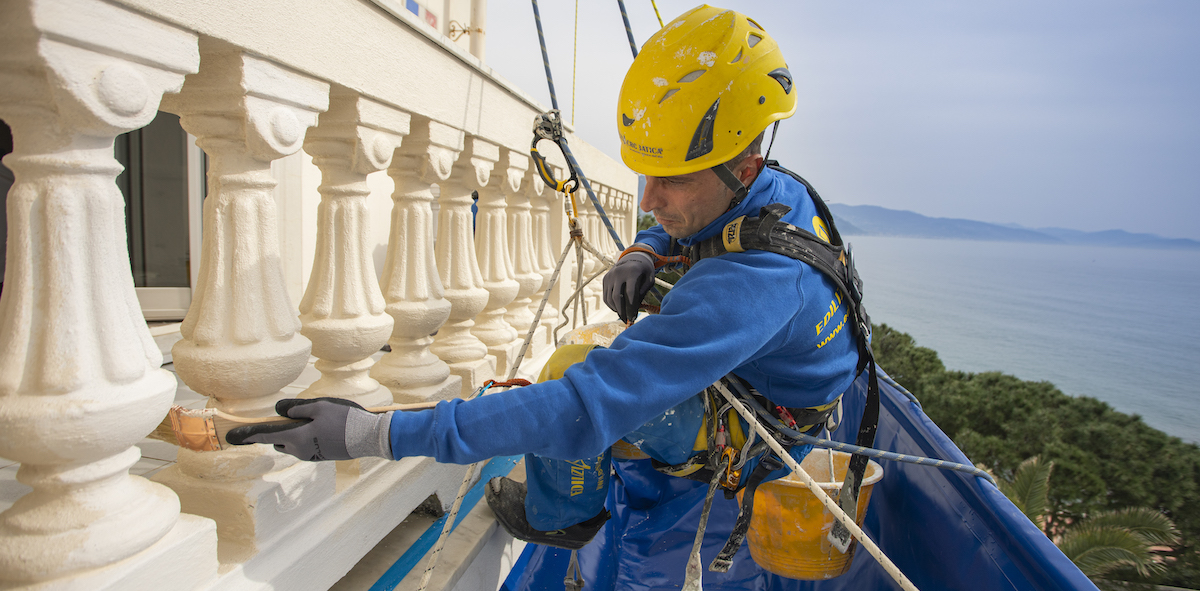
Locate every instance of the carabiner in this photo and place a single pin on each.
(548, 126)
(732, 476)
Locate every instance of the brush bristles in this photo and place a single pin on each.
(195, 429)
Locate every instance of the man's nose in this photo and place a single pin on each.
(650, 198)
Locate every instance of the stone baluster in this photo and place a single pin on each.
(411, 286)
(342, 311)
(459, 269)
(495, 262)
(241, 343)
(545, 249)
(524, 256)
(80, 377)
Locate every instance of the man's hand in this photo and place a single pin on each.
(627, 283)
(335, 429)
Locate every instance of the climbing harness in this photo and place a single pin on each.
(833, 259)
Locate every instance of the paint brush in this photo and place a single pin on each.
(205, 429)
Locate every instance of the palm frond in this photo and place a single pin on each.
(1029, 488)
(1098, 550)
(1154, 527)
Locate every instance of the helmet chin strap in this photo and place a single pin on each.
(731, 180)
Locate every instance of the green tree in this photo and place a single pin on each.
(645, 221)
(1104, 460)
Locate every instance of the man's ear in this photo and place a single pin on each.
(749, 168)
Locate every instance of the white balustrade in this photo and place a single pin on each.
(411, 285)
(80, 376)
(241, 343)
(459, 269)
(342, 311)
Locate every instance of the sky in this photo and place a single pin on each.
(1072, 114)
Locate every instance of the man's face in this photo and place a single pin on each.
(686, 203)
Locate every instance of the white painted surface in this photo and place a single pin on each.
(266, 70)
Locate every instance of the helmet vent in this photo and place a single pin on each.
(753, 39)
(783, 77)
(690, 76)
(739, 56)
(756, 25)
(667, 95)
(702, 140)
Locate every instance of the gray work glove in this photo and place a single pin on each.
(335, 429)
(627, 283)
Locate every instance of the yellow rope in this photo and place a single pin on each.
(655, 5)
(574, 63)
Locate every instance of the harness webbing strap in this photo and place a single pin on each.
(724, 559)
(840, 536)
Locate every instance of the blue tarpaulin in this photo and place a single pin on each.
(945, 530)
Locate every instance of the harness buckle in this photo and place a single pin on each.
(786, 416)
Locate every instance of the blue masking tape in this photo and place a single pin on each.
(407, 561)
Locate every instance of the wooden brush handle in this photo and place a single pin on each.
(237, 421)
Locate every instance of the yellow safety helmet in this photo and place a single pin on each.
(700, 90)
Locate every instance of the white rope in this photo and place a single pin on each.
(577, 295)
(807, 480)
(449, 525)
(512, 373)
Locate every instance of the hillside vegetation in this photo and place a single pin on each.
(1103, 459)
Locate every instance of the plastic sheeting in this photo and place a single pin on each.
(943, 529)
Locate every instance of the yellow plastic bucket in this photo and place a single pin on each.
(789, 530)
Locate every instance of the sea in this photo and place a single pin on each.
(1118, 324)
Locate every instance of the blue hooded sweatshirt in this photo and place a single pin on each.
(774, 321)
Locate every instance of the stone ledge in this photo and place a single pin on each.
(329, 539)
(477, 555)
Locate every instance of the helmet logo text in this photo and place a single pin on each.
(643, 150)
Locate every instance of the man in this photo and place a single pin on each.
(691, 115)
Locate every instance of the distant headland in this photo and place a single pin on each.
(872, 220)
